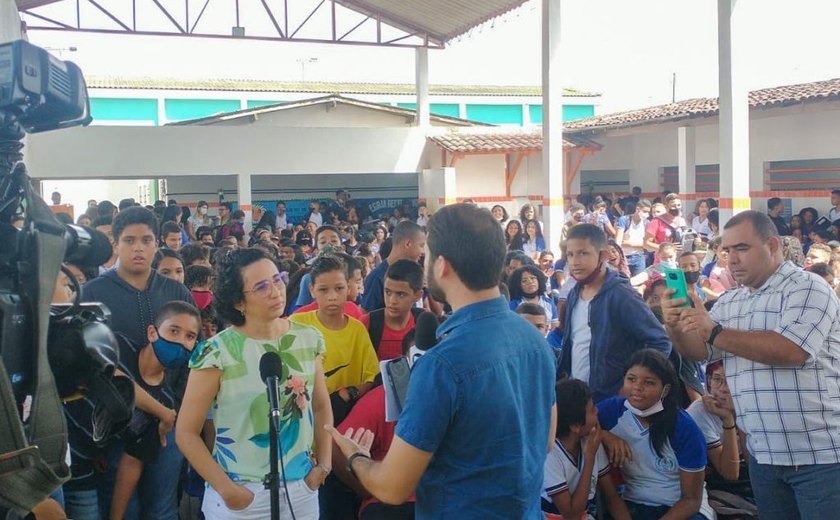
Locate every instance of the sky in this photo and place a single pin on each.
(628, 51)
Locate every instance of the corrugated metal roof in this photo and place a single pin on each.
(828, 90)
(334, 98)
(250, 85)
(442, 20)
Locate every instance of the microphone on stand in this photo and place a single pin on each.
(271, 372)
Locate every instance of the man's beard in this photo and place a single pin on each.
(434, 289)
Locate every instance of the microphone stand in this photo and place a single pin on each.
(272, 479)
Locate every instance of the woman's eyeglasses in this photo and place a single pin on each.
(263, 289)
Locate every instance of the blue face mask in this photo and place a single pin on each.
(169, 353)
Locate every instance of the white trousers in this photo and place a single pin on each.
(304, 501)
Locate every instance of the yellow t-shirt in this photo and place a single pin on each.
(350, 359)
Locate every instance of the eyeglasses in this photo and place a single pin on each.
(263, 288)
(718, 380)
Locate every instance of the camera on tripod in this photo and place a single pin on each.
(49, 353)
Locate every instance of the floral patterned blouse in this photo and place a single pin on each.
(240, 410)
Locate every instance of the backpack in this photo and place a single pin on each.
(376, 324)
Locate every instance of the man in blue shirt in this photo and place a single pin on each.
(408, 241)
(479, 414)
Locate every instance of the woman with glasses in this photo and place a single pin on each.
(225, 374)
(714, 413)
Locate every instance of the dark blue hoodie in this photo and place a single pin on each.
(132, 311)
(621, 323)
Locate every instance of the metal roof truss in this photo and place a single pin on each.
(305, 21)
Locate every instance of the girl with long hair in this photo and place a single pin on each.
(664, 476)
(534, 242)
(514, 235)
(528, 284)
(616, 258)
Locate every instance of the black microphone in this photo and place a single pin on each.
(271, 369)
(86, 246)
(425, 331)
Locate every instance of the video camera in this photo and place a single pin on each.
(49, 353)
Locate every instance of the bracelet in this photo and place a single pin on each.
(353, 457)
(730, 427)
(326, 469)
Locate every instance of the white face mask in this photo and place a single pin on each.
(653, 410)
(202, 211)
(671, 263)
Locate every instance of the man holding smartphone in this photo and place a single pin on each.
(479, 414)
(779, 338)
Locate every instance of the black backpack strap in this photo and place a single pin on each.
(376, 324)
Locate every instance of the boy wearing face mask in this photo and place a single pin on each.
(606, 321)
(170, 343)
(666, 227)
(704, 288)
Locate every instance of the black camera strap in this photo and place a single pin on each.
(31, 469)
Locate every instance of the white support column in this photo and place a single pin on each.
(437, 187)
(687, 164)
(734, 125)
(421, 58)
(552, 162)
(243, 194)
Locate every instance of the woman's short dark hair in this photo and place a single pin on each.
(165, 253)
(229, 290)
(515, 282)
(662, 424)
(471, 240)
(575, 397)
(326, 264)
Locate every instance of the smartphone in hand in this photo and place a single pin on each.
(675, 279)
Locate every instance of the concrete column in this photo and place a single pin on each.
(734, 125)
(552, 160)
(437, 187)
(421, 58)
(243, 194)
(687, 165)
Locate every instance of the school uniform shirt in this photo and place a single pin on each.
(701, 226)
(710, 425)
(551, 314)
(650, 479)
(561, 472)
(349, 359)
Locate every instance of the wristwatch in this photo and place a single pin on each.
(353, 457)
(353, 392)
(715, 331)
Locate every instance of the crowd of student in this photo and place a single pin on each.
(195, 302)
